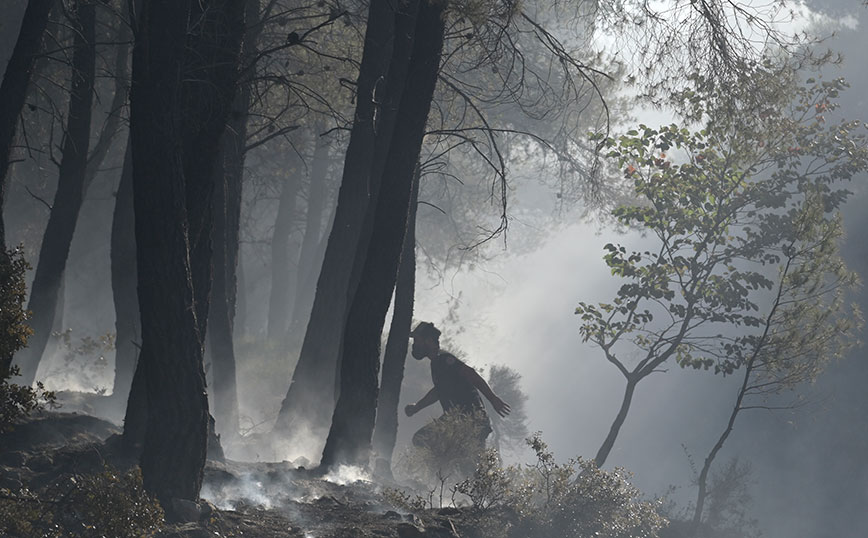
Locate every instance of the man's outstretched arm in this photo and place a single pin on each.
(499, 405)
(426, 400)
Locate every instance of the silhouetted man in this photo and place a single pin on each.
(456, 385)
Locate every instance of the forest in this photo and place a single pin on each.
(433, 268)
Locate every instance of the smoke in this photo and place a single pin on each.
(246, 490)
(347, 474)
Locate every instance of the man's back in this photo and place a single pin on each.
(454, 388)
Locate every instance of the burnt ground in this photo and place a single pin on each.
(245, 499)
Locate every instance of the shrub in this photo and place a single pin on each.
(15, 401)
(450, 450)
(107, 504)
(549, 499)
(578, 499)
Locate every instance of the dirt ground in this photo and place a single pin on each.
(243, 499)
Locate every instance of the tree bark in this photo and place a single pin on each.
(349, 439)
(609, 442)
(13, 89)
(227, 208)
(221, 316)
(184, 65)
(54, 251)
(386, 429)
(310, 398)
(123, 271)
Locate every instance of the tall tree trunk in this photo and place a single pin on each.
(112, 125)
(221, 316)
(240, 327)
(171, 356)
(609, 442)
(310, 398)
(349, 439)
(13, 89)
(386, 430)
(184, 66)
(57, 238)
(227, 208)
(309, 260)
(123, 270)
(282, 285)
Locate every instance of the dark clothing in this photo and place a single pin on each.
(456, 394)
(454, 389)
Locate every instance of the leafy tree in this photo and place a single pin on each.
(16, 400)
(744, 264)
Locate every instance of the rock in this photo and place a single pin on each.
(187, 530)
(40, 462)
(186, 511)
(11, 481)
(391, 514)
(407, 530)
(13, 459)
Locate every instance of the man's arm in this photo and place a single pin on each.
(499, 405)
(426, 400)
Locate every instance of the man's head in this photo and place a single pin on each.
(426, 340)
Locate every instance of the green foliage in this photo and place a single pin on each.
(741, 210)
(13, 316)
(490, 483)
(550, 499)
(109, 503)
(577, 498)
(15, 401)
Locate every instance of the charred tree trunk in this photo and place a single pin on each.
(227, 208)
(309, 260)
(386, 430)
(311, 395)
(282, 284)
(221, 316)
(349, 439)
(123, 270)
(13, 89)
(171, 359)
(57, 238)
(184, 67)
(112, 124)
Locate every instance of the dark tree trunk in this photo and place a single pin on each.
(282, 284)
(112, 124)
(386, 430)
(609, 442)
(171, 356)
(13, 89)
(184, 65)
(349, 439)
(309, 259)
(123, 270)
(240, 326)
(227, 207)
(57, 238)
(311, 395)
(221, 316)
